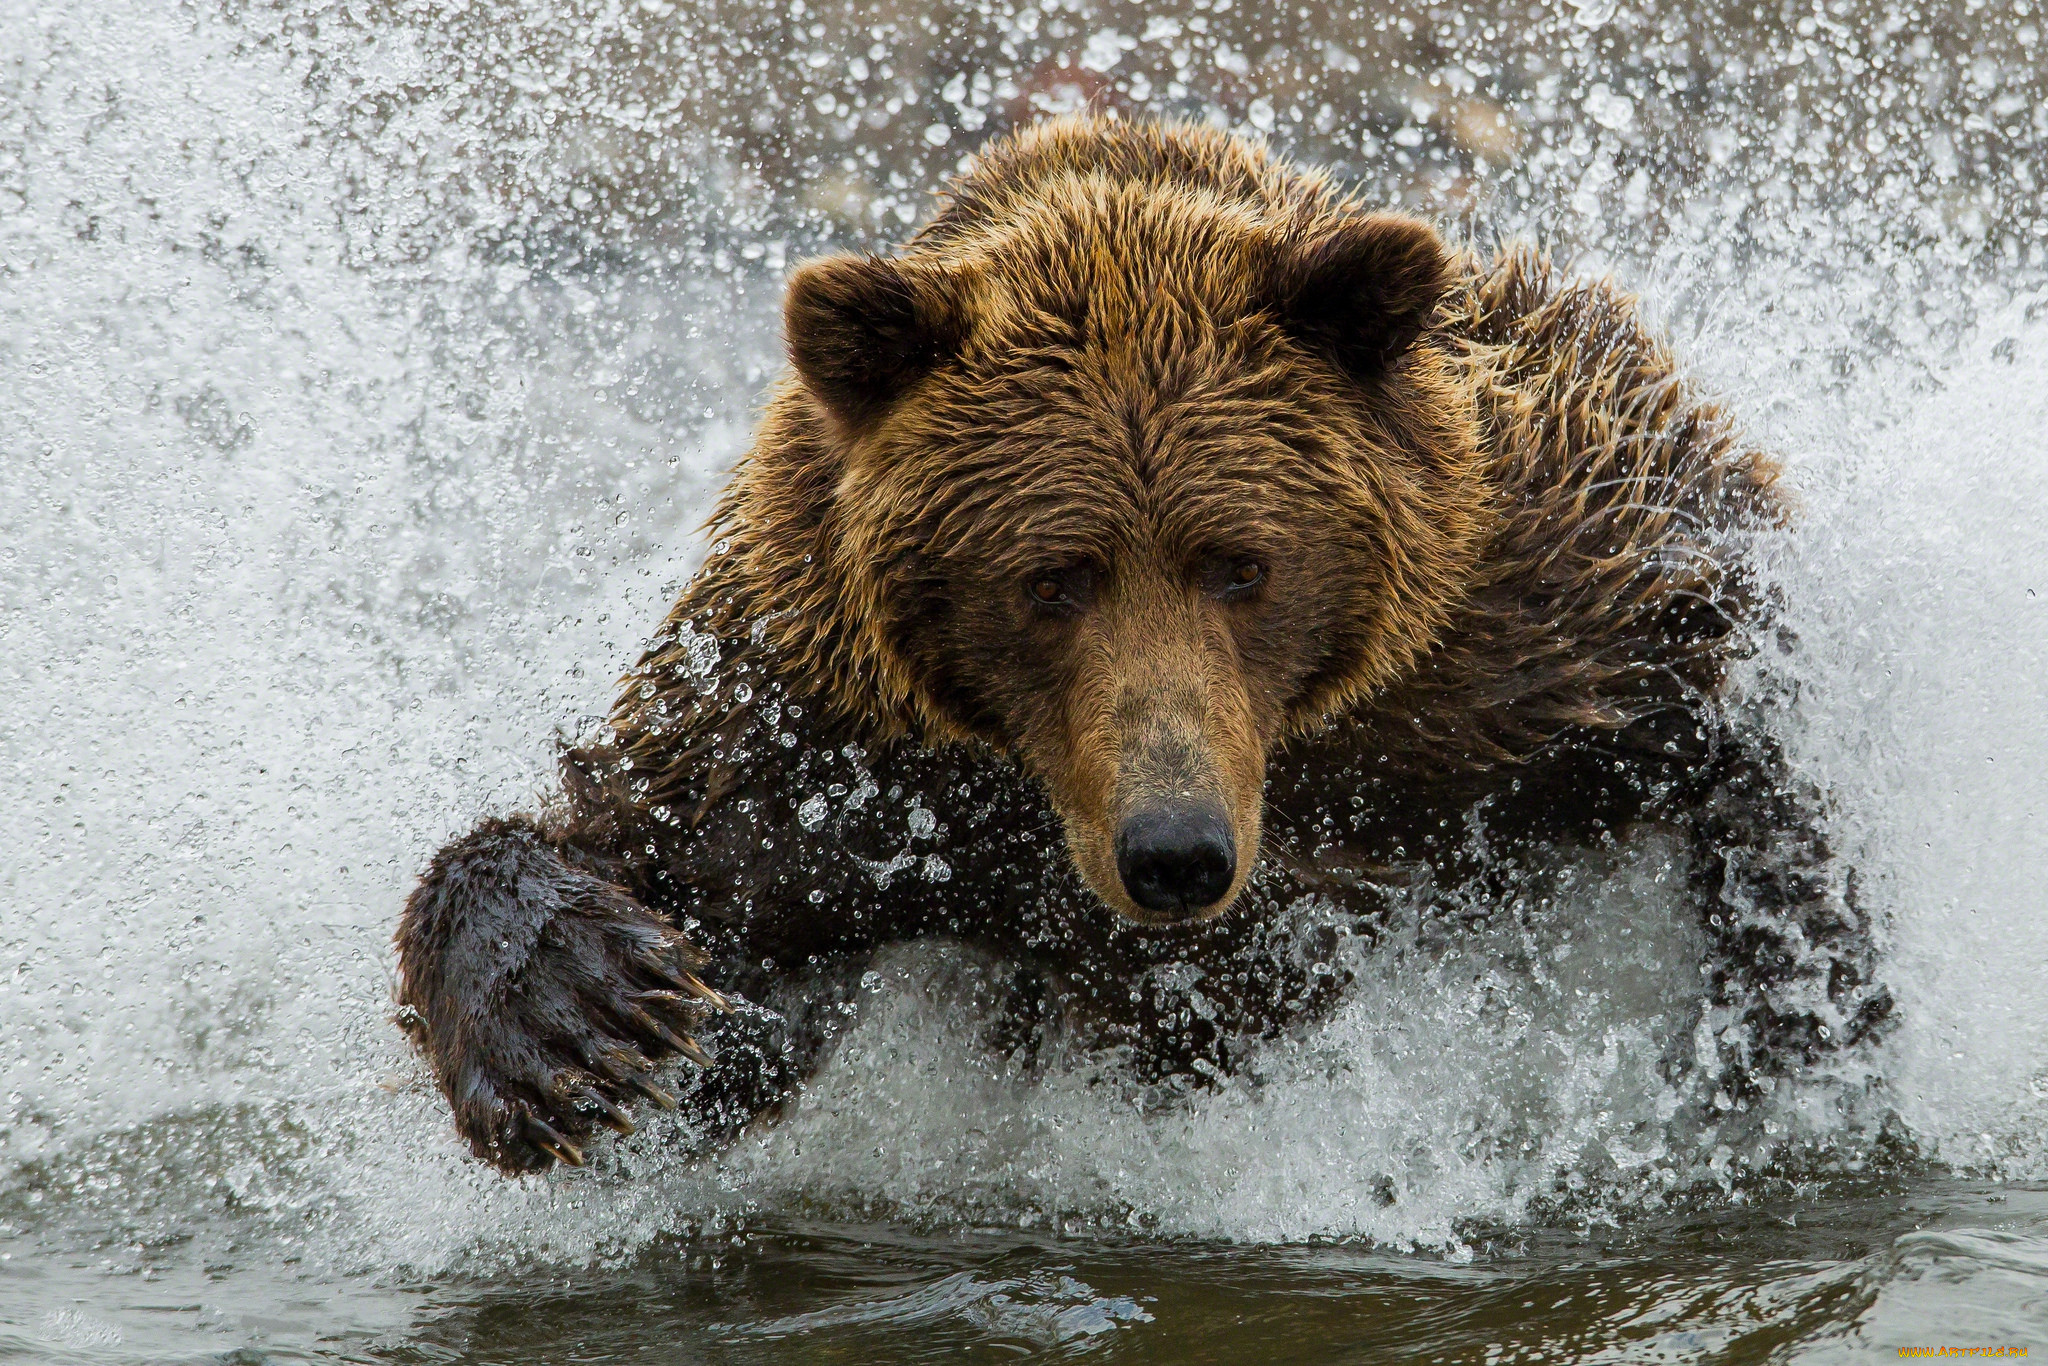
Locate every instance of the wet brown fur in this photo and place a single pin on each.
(1500, 537)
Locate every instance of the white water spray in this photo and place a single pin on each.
(322, 510)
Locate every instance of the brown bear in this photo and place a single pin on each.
(1158, 494)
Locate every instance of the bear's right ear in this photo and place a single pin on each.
(1364, 291)
(862, 329)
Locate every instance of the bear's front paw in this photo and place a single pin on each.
(604, 994)
(542, 996)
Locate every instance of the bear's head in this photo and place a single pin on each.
(1134, 470)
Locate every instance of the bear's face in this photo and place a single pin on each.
(1135, 492)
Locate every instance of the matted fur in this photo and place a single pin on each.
(1497, 539)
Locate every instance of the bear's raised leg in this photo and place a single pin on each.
(1794, 954)
(541, 994)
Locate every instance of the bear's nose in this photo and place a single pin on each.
(1176, 860)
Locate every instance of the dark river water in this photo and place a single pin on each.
(1844, 1276)
(365, 371)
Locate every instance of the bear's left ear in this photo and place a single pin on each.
(1364, 291)
(862, 329)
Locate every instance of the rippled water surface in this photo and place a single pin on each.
(364, 372)
(1842, 1277)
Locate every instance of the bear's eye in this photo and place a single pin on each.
(1047, 590)
(1063, 591)
(1243, 575)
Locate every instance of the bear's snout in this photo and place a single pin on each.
(1178, 860)
(1159, 780)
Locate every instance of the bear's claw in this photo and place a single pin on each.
(543, 1135)
(608, 1114)
(652, 1092)
(684, 982)
(680, 1043)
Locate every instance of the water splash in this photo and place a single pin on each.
(363, 380)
